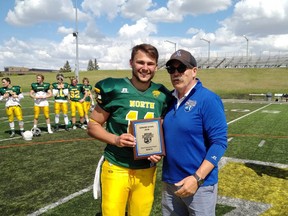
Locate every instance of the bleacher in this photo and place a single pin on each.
(242, 61)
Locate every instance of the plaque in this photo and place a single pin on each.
(149, 138)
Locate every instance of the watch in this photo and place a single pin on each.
(199, 180)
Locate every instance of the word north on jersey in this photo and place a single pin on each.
(142, 104)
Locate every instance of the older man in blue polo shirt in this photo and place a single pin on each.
(195, 132)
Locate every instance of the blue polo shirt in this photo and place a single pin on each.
(197, 130)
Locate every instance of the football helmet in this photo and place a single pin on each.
(27, 135)
(36, 131)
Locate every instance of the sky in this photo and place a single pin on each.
(39, 33)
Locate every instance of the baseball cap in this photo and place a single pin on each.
(184, 57)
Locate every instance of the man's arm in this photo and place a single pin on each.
(32, 94)
(95, 129)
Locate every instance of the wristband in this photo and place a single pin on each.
(199, 180)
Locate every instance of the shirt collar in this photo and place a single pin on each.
(175, 93)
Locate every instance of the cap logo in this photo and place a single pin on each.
(178, 53)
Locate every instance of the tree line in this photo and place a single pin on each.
(92, 65)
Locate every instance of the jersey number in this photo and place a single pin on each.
(74, 94)
(133, 115)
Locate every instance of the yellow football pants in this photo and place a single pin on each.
(86, 107)
(121, 186)
(37, 111)
(75, 105)
(60, 106)
(14, 110)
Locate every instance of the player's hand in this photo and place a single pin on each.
(6, 95)
(187, 187)
(125, 140)
(155, 158)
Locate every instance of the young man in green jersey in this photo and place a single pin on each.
(40, 92)
(60, 92)
(12, 96)
(89, 101)
(77, 97)
(125, 182)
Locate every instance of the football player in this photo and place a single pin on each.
(60, 92)
(40, 91)
(12, 96)
(89, 101)
(77, 97)
(125, 181)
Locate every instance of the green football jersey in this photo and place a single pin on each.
(76, 92)
(88, 88)
(44, 87)
(60, 95)
(125, 103)
(15, 89)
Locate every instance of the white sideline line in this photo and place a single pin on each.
(59, 202)
(248, 114)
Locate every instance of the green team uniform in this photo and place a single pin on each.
(60, 95)
(44, 87)
(15, 89)
(125, 103)
(87, 88)
(76, 92)
(11, 101)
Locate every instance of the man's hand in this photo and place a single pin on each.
(155, 158)
(187, 187)
(125, 140)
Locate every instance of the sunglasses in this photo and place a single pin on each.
(181, 69)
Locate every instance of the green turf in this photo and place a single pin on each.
(228, 83)
(37, 173)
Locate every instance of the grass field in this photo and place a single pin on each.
(53, 173)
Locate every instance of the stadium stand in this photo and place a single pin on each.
(262, 61)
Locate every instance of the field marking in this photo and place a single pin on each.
(225, 160)
(60, 201)
(258, 135)
(241, 205)
(43, 143)
(248, 114)
(222, 162)
(271, 111)
(229, 139)
(245, 207)
(20, 137)
(261, 144)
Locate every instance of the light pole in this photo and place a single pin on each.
(75, 34)
(208, 49)
(247, 40)
(175, 44)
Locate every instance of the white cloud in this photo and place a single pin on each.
(141, 29)
(193, 31)
(196, 7)
(64, 30)
(30, 12)
(109, 8)
(259, 18)
(136, 9)
(263, 21)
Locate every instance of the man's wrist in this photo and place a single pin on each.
(199, 180)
